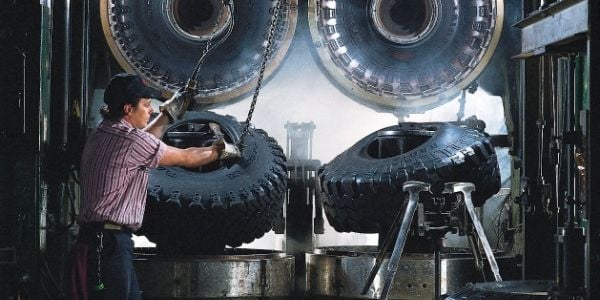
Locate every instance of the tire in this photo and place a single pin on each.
(362, 187)
(408, 55)
(162, 41)
(191, 211)
(496, 76)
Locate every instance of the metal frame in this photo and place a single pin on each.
(593, 146)
(543, 55)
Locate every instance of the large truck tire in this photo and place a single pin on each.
(362, 187)
(201, 211)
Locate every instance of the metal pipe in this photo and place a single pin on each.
(569, 127)
(476, 253)
(66, 71)
(41, 193)
(558, 133)
(23, 100)
(464, 190)
(414, 188)
(573, 240)
(545, 188)
(557, 127)
(541, 123)
(384, 249)
(524, 162)
(85, 65)
(462, 101)
(437, 269)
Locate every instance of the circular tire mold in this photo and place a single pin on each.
(410, 55)
(235, 274)
(162, 41)
(201, 211)
(362, 187)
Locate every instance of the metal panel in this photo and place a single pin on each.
(216, 277)
(342, 271)
(555, 27)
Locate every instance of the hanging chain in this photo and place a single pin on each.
(99, 248)
(191, 85)
(261, 73)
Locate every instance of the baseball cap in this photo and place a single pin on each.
(125, 88)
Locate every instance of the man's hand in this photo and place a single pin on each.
(219, 145)
(177, 105)
(228, 151)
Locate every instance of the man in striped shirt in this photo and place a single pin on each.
(114, 176)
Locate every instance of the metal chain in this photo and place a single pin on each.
(99, 284)
(191, 84)
(261, 74)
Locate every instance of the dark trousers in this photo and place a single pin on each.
(116, 274)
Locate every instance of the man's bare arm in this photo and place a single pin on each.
(191, 157)
(158, 126)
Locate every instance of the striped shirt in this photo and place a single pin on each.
(114, 173)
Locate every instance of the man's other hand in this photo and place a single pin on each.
(226, 150)
(177, 105)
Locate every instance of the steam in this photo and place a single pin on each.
(300, 92)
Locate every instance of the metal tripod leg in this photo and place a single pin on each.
(407, 213)
(476, 253)
(413, 188)
(384, 249)
(466, 189)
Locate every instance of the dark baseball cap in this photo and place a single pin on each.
(125, 88)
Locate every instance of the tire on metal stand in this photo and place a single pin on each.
(362, 187)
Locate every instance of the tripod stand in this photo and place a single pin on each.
(402, 225)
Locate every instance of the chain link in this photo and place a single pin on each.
(261, 73)
(191, 85)
(99, 248)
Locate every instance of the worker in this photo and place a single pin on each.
(114, 177)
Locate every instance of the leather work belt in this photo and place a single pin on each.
(110, 226)
(102, 226)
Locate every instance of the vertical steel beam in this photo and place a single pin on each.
(66, 71)
(593, 146)
(85, 63)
